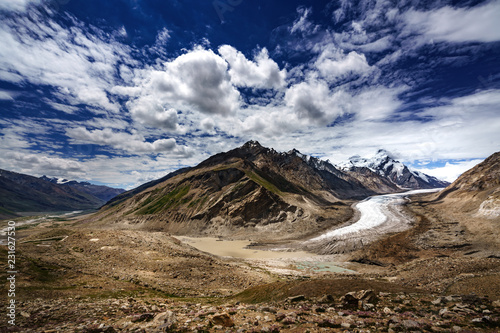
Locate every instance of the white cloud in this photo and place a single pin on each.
(376, 103)
(336, 65)
(302, 23)
(80, 64)
(475, 24)
(162, 38)
(208, 124)
(41, 164)
(314, 101)
(451, 171)
(62, 107)
(197, 80)
(5, 96)
(17, 5)
(132, 143)
(150, 112)
(263, 72)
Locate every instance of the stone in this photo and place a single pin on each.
(349, 301)
(269, 309)
(356, 300)
(345, 325)
(298, 298)
(222, 319)
(280, 316)
(453, 298)
(25, 314)
(326, 299)
(386, 310)
(410, 324)
(328, 323)
(443, 311)
(368, 307)
(142, 317)
(164, 321)
(368, 296)
(437, 301)
(289, 321)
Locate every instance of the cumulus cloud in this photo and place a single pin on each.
(195, 81)
(42, 164)
(208, 124)
(262, 73)
(336, 65)
(149, 111)
(310, 100)
(314, 101)
(132, 143)
(467, 24)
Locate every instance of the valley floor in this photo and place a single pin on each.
(74, 279)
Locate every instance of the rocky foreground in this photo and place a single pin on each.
(362, 311)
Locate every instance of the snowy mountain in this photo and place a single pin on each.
(248, 190)
(398, 173)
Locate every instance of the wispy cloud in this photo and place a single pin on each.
(79, 61)
(467, 24)
(133, 143)
(17, 5)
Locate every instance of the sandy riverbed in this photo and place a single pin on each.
(237, 249)
(280, 262)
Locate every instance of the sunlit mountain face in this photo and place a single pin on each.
(123, 92)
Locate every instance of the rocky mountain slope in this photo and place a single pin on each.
(105, 193)
(250, 189)
(398, 173)
(24, 193)
(472, 202)
(479, 188)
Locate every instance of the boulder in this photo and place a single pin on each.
(359, 299)
(222, 319)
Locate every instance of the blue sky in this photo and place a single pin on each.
(124, 91)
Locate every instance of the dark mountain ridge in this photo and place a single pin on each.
(20, 193)
(24, 193)
(104, 193)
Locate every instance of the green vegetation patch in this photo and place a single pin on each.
(170, 200)
(263, 182)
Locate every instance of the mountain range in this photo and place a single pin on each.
(104, 193)
(247, 186)
(398, 173)
(24, 193)
(251, 189)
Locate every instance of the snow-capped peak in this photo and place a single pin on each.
(315, 162)
(55, 180)
(387, 166)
